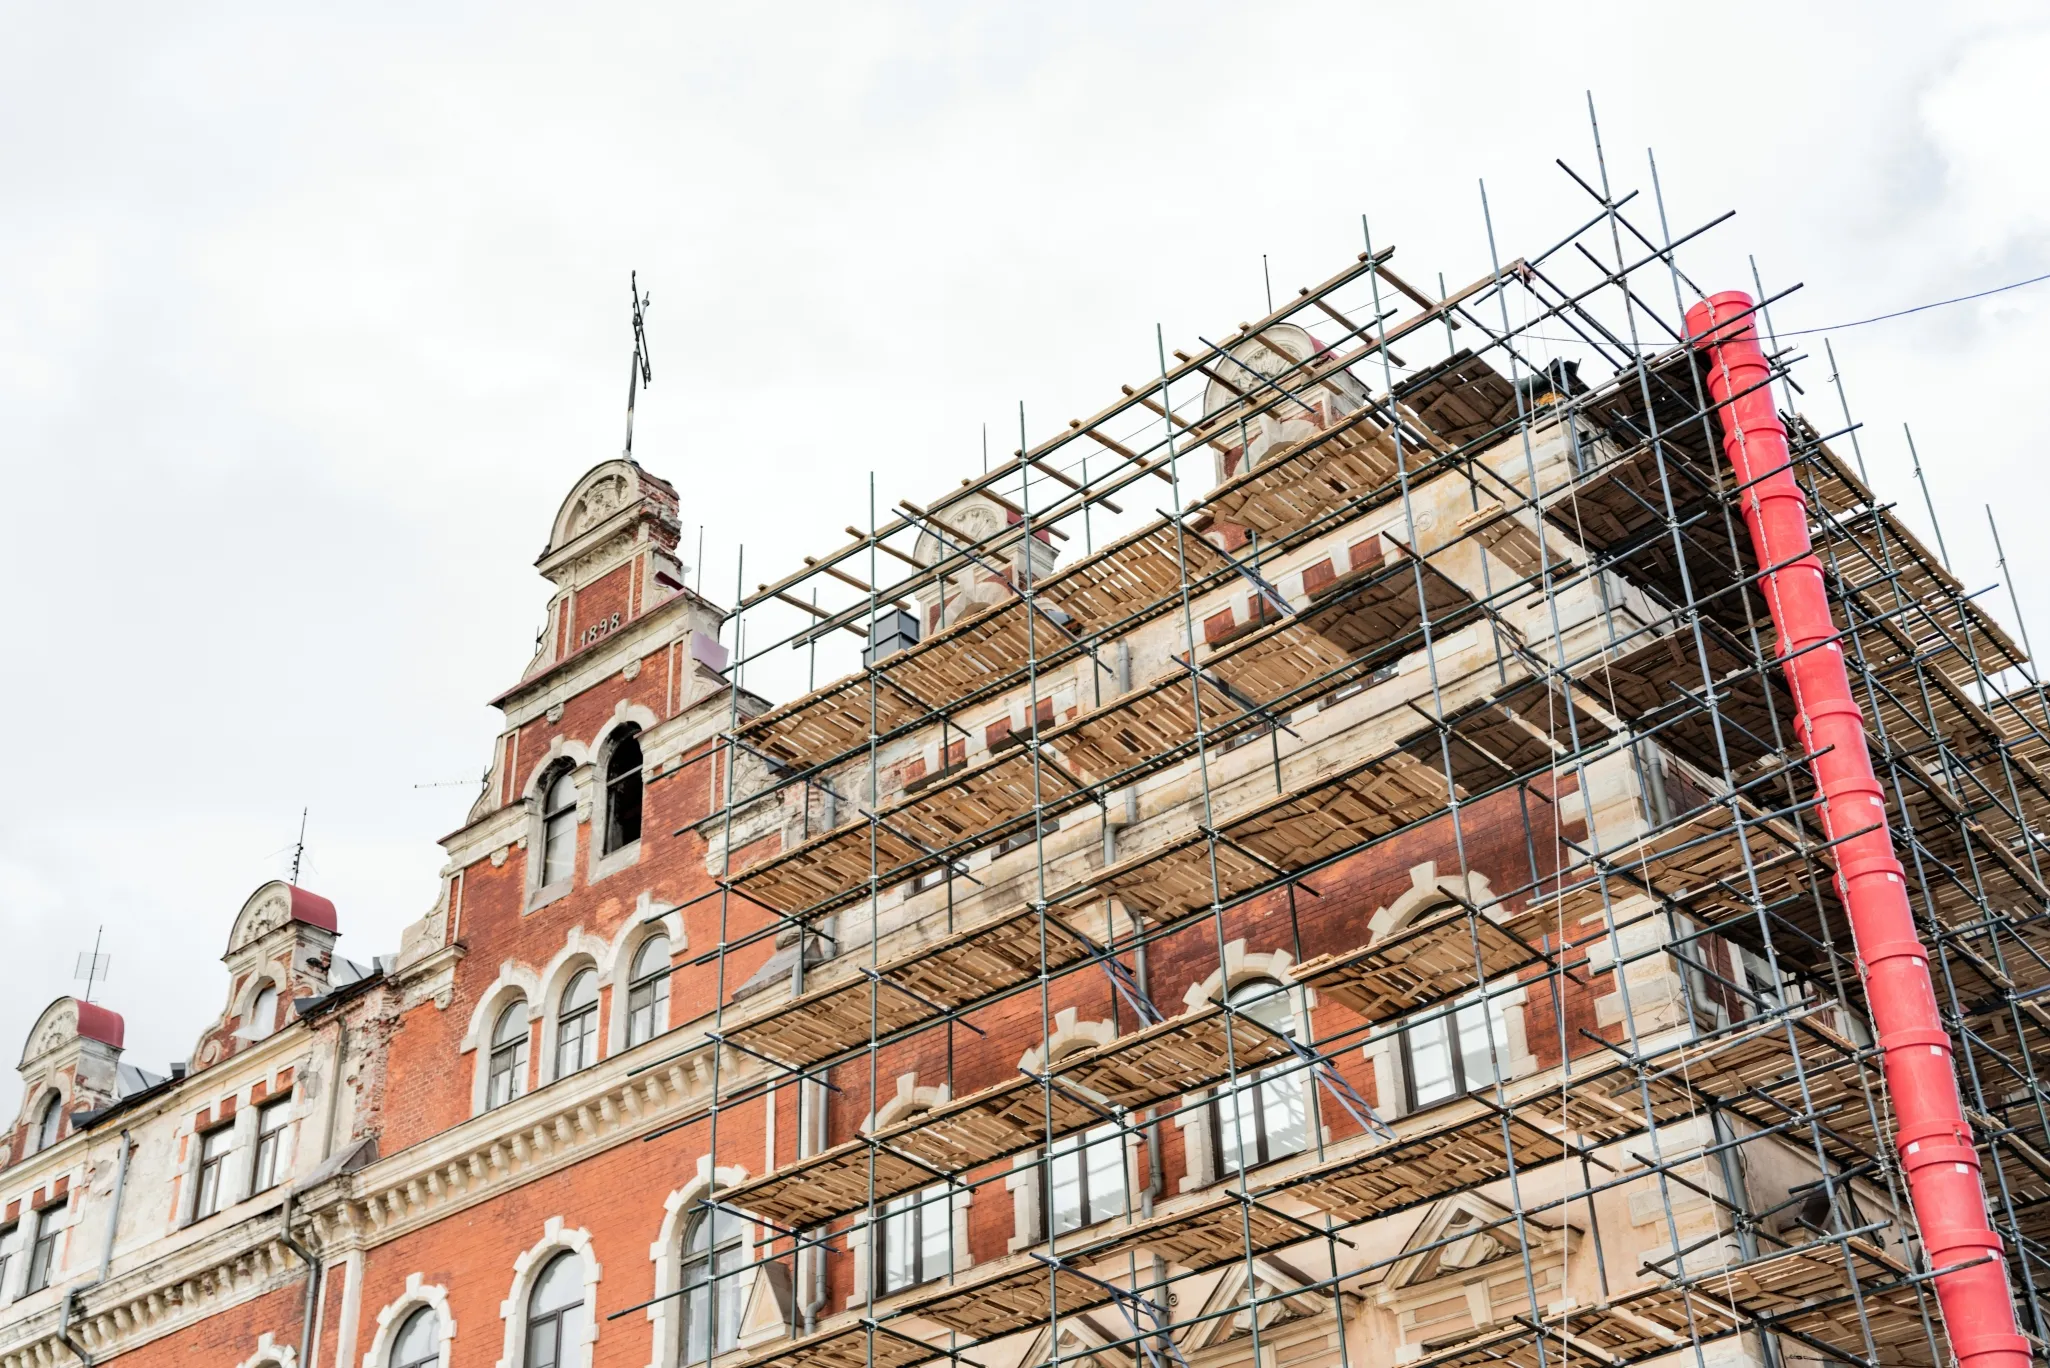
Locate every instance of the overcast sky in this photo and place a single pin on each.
(309, 320)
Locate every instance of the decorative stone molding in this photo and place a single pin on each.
(666, 1253)
(909, 1098)
(532, 1136)
(526, 1268)
(147, 1304)
(392, 1318)
(1240, 966)
(270, 1354)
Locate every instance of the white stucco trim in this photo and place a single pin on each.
(526, 1268)
(909, 1098)
(1240, 966)
(665, 1317)
(580, 950)
(513, 981)
(617, 968)
(392, 1318)
(270, 1354)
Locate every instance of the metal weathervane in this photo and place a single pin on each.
(638, 375)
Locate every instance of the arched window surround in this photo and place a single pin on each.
(514, 981)
(581, 950)
(909, 1098)
(1028, 1208)
(665, 1317)
(392, 1318)
(1429, 893)
(555, 1238)
(270, 1354)
(46, 1124)
(617, 964)
(1198, 1124)
(574, 759)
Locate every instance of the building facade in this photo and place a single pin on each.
(1208, 946)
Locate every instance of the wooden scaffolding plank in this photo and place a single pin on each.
(1018, 1293)
(850, 1344)
(915, 986)
(1451, 952)
(1648, 684)
(1183, 1054)
(1434, 1154)
(1121, 586)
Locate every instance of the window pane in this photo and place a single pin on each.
(560, 840)
(1474, 1054)
(1064, 1178)
(415, 1345)
(1430, 1062)
(512, 1025)
(544, 1342)
(44, 1254)
(936, 1233)
(1105, 1159)
(576, 1048)
(1238, 1136)
(582, 991)
(900, 1250)
(1282, 1102)
(263, 1013)
(560, 1285)
(652, 958)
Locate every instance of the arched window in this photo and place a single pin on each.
(714, 1251)
(508, 1077)
(555, 1312)
(559, 829)
(623, 791)
(49, 1122)
(1084, 1175)
(647, 992)
(576, 1025)
(263, 1013)
(416, 1345)
(1263, 1118)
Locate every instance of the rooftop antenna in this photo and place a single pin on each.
(92, 965)
(638, 376)
(1267, 278)
(298, 850)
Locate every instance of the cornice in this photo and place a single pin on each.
(161, 1297)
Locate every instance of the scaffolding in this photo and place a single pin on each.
(1408, 582)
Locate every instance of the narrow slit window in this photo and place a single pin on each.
(623, 792)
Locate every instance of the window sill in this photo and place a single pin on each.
(552, 893)
(605, 866)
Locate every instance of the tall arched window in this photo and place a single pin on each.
(576, 1025)
(714, 1251)
(555, 1313)
(415, 1346)
(559, 829)
(508, 1077)
(647, 992)
(623, 790)
(263, 1012)
(49, 1122)
(1263, 1118)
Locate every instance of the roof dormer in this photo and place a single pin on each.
(70, 1064)
(280, 950)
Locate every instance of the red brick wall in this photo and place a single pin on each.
(227, 1337)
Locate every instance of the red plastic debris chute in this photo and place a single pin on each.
(1935, 1144)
